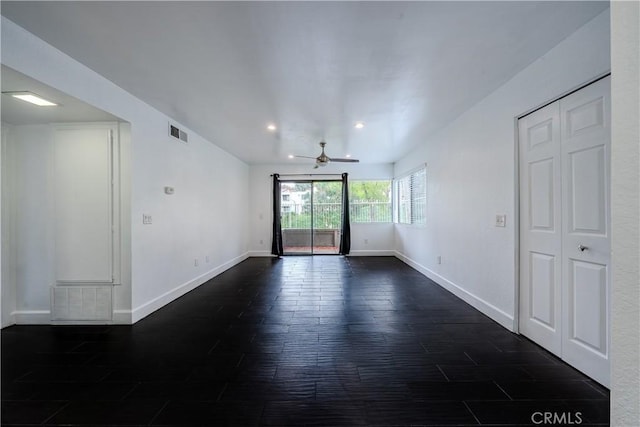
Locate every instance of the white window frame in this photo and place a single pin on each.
(410, 197)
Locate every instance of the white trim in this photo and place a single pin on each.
(122, 317)
(503, 318)
(149, 307)
(10, 320)
(31, 317)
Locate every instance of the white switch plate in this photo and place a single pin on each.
(146, 219)
(501, 220)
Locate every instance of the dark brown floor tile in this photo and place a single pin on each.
(322, 341)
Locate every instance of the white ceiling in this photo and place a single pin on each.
(226, 69)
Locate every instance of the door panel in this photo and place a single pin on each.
(588, 293)
(540, 248)
(542, 285)
(327, 216)
(586, 239)
(295, 217)
(541, 195)
(587, 191)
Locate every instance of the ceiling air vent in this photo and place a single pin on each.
(178, 133)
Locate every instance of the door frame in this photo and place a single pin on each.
(311, 229)
(517, 179)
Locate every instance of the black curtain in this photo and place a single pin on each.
(276, 241)
(345, 235)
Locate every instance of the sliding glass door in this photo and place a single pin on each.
(295, 217)
(327, 215)
(311, 213)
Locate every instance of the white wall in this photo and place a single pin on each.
(8, 291)
(30, 245)
(471, 177)
(194, 223)
(380, 236)
(625, 209)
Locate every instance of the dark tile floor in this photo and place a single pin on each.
(322, 341)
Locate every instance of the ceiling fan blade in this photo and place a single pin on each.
(345, 160)
(305, 157)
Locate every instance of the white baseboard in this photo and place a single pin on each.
(383, 252)
(160, 301)
(122, 317)
(31, 317)
(43, 317)
(8, 320)
(503, 318)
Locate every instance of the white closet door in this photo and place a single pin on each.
(565, 243)
(540, 224)
(586, 140)
(83, 176)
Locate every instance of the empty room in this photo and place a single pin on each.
(332, 213)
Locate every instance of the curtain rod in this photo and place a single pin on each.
(308, 174)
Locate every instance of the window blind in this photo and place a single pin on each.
(411, 197)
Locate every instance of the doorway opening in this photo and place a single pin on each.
(311, 216)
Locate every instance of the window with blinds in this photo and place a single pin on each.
(411, 197)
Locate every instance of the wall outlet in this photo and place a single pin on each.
(146, 219)
(366, 241)
(439, 259)
(206, 259)
(195, 262)
(501, 220)
(261, 242)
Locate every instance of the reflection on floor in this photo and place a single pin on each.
(324, 341)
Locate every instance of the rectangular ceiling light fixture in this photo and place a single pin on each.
(32, 98)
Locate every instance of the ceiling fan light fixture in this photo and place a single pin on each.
(32, 98)
(323, 159)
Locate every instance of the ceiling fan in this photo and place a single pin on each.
(323, 159)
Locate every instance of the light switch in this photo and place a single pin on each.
(501, 220)
(146, 219)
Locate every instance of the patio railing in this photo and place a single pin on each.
(328, 215)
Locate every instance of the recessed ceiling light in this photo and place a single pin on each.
(271, 127)
(359, 125)
(291, 156)
(33, 99)
(347, 155)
